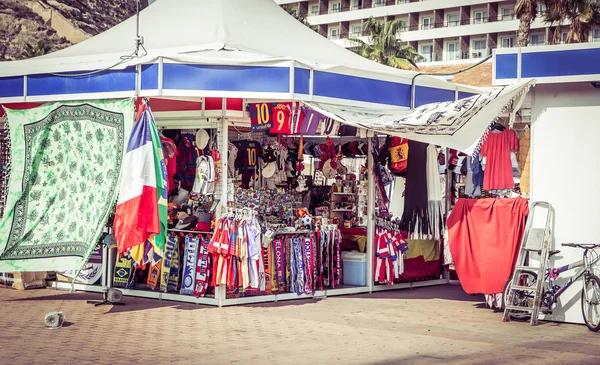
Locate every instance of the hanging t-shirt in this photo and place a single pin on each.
(232, 152)
(498, 169)
(261, 117)
(186, 169)
(248, 156)
(282, 113)
(170, 154)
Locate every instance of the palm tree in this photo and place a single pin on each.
(525, 11)
(299, 17)
(384, 46)
(583, 15)
(39, 48)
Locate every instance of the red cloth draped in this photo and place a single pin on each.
(484, 237)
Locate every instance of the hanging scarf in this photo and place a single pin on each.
(202, 270)
(434, 193)
(308, 265)
(415, 219)
(279, 263)
(173, 282)
(166, 262)
(189, 267)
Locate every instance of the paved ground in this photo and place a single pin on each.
(420, 326)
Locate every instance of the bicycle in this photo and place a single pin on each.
(590, 295)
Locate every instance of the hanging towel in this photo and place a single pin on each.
(415, 220)
(484, 237)
(434, 193)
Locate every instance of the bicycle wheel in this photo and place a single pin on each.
(522, 298)
(590, 302)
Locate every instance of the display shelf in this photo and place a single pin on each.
(271, 298)
(338, 193)
(346, 290)
(342, 210)
(410, 285)
(61, 285)
(139, 293)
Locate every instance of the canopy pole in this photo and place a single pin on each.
(370, 214)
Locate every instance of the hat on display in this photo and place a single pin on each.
(182, 197)
(328, 170)
(187, 223)
(269, 170)
(346, 149)
(202, 139)
(307, 148)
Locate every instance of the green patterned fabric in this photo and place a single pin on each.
(65, 172)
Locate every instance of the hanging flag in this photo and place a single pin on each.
(310, 122)
(142, 206)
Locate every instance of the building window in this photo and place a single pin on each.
(563, 37)
(596, 35)
(427, 23)
(453, 20)
(479, 49)
(506, 14)
(356, 30)
(537, 40)
(452, 52)
(335, 7)
(314, 10)
(356, 5)
(378, 3)
(480, 17)
(541, 9)
(427, 52)
(401, 1)
(334, 34)
(403, 26)
(507, 42)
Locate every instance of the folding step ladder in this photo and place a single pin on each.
(535, 240)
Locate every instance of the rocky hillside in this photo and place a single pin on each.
(31, 28)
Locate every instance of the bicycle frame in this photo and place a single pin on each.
(555, 272)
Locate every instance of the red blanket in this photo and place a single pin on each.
(484, 237)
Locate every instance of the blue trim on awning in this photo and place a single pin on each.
(426, 95)
(560, 63)
(226, 78)
(150, 77)
(506, 66)
(11, 86)
(464, 95)
(301, 81)
(101, 82)
(339, 86)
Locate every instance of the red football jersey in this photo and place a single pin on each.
(282, 113)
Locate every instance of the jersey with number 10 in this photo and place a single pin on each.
(249, 153)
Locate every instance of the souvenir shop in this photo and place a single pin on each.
(295, 219)
(285, 178)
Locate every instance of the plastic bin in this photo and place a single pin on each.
(355, 268)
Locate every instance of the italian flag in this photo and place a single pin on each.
(140, 224)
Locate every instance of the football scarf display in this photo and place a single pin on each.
(167, 261)
(190, 257)
(202, 269)
(328, 272)
(123, 272)
(390, 247)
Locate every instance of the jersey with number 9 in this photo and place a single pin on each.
(281, 118)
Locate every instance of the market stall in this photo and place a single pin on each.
(219, 81)
(561, 120)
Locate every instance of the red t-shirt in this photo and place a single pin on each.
(282, 113)
(498, 166)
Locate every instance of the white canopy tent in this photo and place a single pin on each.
(239, 48)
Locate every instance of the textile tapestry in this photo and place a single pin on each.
(65, 172)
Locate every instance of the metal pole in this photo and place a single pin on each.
(370, 215)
